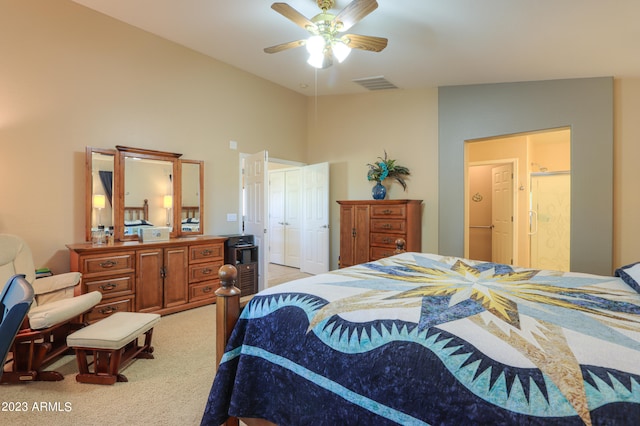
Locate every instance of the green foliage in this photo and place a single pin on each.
(385, 168)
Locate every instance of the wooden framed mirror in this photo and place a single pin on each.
(148, 186)
(100, 166)
(191, 205)
(129, 188)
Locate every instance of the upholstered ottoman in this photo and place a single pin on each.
(113, 342)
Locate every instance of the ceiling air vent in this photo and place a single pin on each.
(375, 83)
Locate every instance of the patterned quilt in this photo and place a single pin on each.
(419, 339)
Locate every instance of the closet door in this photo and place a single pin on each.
(292, 218)
(284, 216)
(277, 216)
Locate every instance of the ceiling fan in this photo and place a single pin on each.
(325, 41)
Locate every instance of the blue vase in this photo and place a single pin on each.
(379, 191)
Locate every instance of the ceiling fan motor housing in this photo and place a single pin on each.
(325, 24)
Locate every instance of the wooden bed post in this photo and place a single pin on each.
(227, 313)
(227, 307)
(400, 244)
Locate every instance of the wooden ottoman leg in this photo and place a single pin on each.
(147, 349)
(81, 359)
(101, 374)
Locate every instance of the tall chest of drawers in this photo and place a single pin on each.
(160, 277)
(369, 228)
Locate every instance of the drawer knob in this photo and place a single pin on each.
(206, 252)
(108, 264)
(387, 211)
(108, 310)
(386, 226)
(387, 240)
(207, 289)
(107, 287)
(206, 271)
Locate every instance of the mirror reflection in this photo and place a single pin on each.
(191, 209)
(102, 165)
(148, 194)
(131, 188)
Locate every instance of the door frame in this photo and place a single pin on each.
(241, 207)
(514, 201)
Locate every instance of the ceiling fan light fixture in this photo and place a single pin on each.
(325, 42)
(316, 60)
(315, 45)
(340, 50)
(321, 60)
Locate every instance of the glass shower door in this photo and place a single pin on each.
(550, 221)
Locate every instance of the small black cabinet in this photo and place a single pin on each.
(241, 252)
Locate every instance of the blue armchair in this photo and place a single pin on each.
(15, 301)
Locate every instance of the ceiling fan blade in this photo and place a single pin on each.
(370, 43)
(284, 46)
(293, 15)
(355, 11)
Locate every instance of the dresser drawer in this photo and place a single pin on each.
(384, 240)
(114, 263)
(206, 290)
(388, 225)
(204, 271)
(380, 252)
(205, 253)
(389, 211)
(103, 310)
(112, 286)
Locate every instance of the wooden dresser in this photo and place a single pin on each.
(161, 277)
(369, 228)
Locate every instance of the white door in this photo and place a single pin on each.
(315, 219)
(257, 209)
(502, 214)
(292, 220)
(276, 216)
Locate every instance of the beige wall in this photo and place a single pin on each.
(626, 173)
(71, 78)
(351, 131)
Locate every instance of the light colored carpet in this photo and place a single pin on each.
(171, 389)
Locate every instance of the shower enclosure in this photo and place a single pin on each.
(550, 220)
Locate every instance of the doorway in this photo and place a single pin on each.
(284, 215)
(540, 191)
(311, 246)
(491, 211)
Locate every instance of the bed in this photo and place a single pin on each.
(424, 339)
(136, 217)
(190, 221)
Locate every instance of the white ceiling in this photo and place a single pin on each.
(431, 42)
